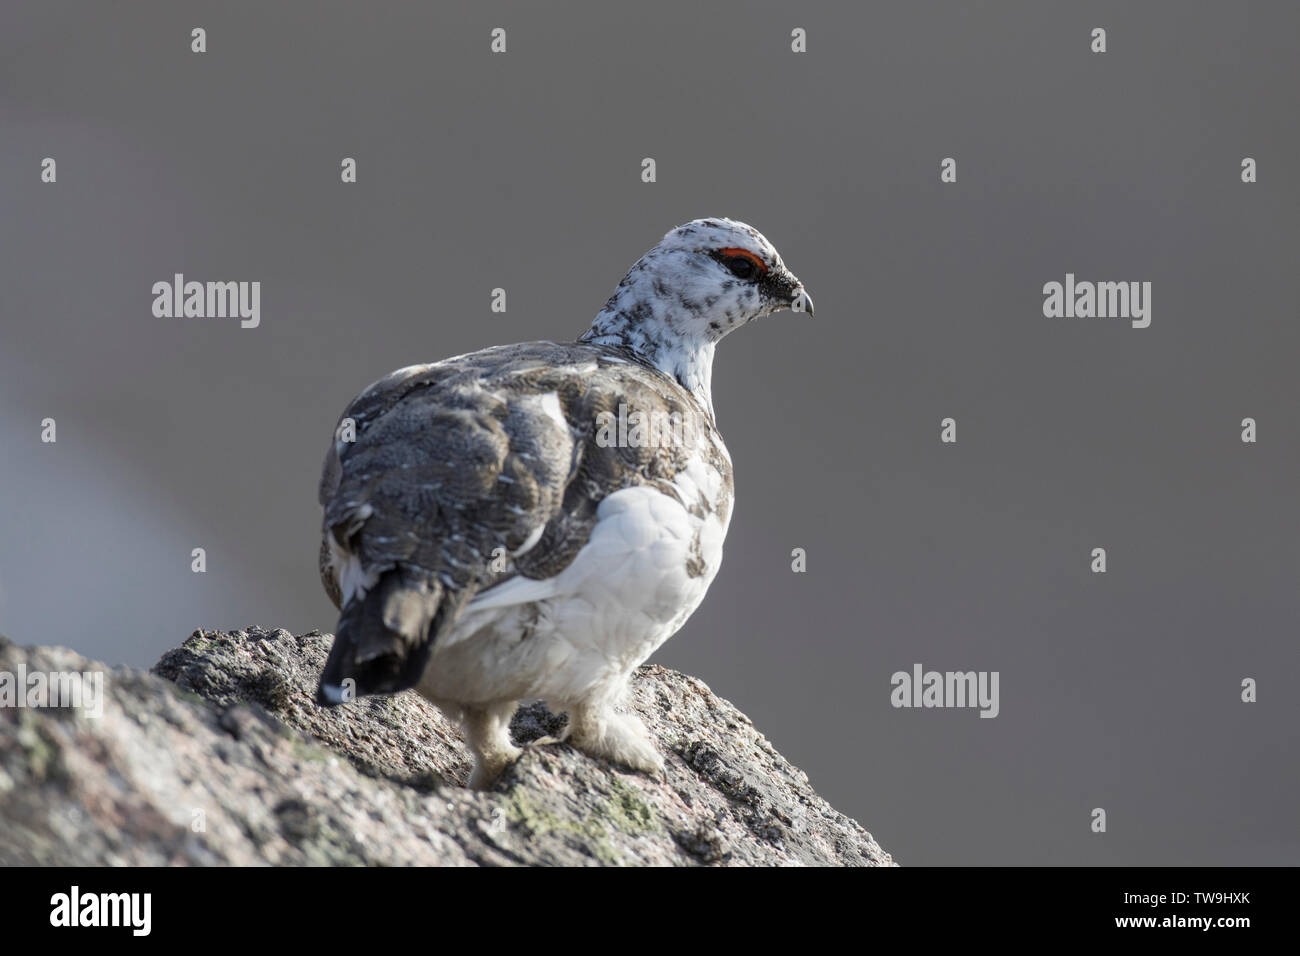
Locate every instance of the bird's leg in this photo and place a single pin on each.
(487, 731)
(599, 731)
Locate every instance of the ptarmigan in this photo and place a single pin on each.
(532, 521)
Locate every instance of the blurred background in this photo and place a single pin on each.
(522, 171)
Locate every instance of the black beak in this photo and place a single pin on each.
(789, 291)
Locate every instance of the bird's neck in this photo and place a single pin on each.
(645, 325)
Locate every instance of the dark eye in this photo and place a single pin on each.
(741, 263)
(742, 267)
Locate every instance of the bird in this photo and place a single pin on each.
(509, 525)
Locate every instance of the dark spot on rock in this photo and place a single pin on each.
(705, 843)
(268, 688)
(713, 768)
(298, 822)
(533, 721)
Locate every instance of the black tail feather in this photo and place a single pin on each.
(383, 640)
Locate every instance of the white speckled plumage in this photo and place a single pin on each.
(485, 545)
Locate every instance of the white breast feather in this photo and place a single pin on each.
(625, 592)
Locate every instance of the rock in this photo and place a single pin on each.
(220, 756)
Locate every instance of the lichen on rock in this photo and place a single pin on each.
(219, 755)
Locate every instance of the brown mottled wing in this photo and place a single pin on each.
(459, 463)
(444, 469)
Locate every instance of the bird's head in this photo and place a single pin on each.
(704, 279)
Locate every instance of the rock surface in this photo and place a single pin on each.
(220, 756)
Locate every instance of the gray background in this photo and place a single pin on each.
(1118, 690)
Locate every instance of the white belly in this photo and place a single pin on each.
(644, 570)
